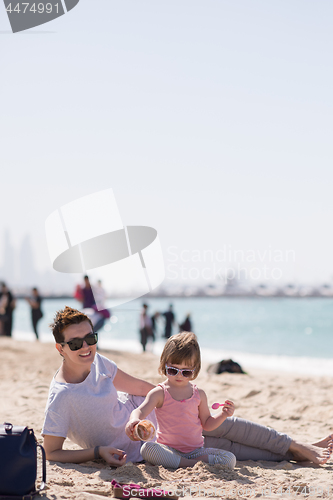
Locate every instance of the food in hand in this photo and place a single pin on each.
(144, 431)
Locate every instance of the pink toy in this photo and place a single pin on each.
(216, 405)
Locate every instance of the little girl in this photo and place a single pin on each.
(181, 410)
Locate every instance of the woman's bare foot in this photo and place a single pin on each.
(309, 452)
(324, 443)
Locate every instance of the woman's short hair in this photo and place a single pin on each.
(64, 318)
(180, 349)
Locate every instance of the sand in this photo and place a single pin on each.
(299, 405)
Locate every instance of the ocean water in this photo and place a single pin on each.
(287, 334)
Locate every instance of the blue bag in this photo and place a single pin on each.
(18, 463)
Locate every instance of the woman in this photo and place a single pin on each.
(83, 401)
(84, 406)
(7, 306)
(36, 312)
(146, 330)
(3, 317)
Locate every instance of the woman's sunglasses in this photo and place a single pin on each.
(170, 370)
(77, 343)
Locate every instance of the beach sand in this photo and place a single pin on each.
(298, 405)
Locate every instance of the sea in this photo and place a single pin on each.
(282, 334)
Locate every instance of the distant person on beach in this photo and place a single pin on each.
(3, 305)
(181, 411)
(169, 321)
(101, 312)
(93, 302)
(7, 306)
(186, 326)
(84, 405)
(88, 299)
(36, 312)
(146, 330)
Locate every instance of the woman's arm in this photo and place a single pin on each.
(54, 452)
(126, 383)
(154, 399)
(209, 422)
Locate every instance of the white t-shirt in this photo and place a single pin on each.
(92, 413)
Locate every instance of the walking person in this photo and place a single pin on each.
(8, 303)
(146, 330)
(169, 321)
(87, 296)
(3, 317)
(93, 302)
(101, 314)
(36, 312)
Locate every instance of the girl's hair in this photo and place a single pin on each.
(64, 318)
(179, 349)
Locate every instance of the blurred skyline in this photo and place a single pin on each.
(211, 121)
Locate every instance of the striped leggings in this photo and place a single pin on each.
(160, 454)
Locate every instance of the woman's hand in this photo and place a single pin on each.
(108, 453)
(130, 428)
(228, 408)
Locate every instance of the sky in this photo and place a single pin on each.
(210, 120)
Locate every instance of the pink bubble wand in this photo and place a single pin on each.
(216, 405)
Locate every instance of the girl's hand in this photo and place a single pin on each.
(130, 427)
(108, 453)
(228, 408)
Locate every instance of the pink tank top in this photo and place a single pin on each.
(179, 425)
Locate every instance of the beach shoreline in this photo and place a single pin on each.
(284, 335)
(299, 405)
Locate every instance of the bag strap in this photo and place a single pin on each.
(32, 494)
(43, 483)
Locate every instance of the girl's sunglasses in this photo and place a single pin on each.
(170, 370)
(77, 343)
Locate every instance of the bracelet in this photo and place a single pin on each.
(96, 453)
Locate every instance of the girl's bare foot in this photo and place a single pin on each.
(309, 452)
(324, 443)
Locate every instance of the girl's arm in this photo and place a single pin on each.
(126, 383)
(54, 452)
(209, 422)
(154, 399)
